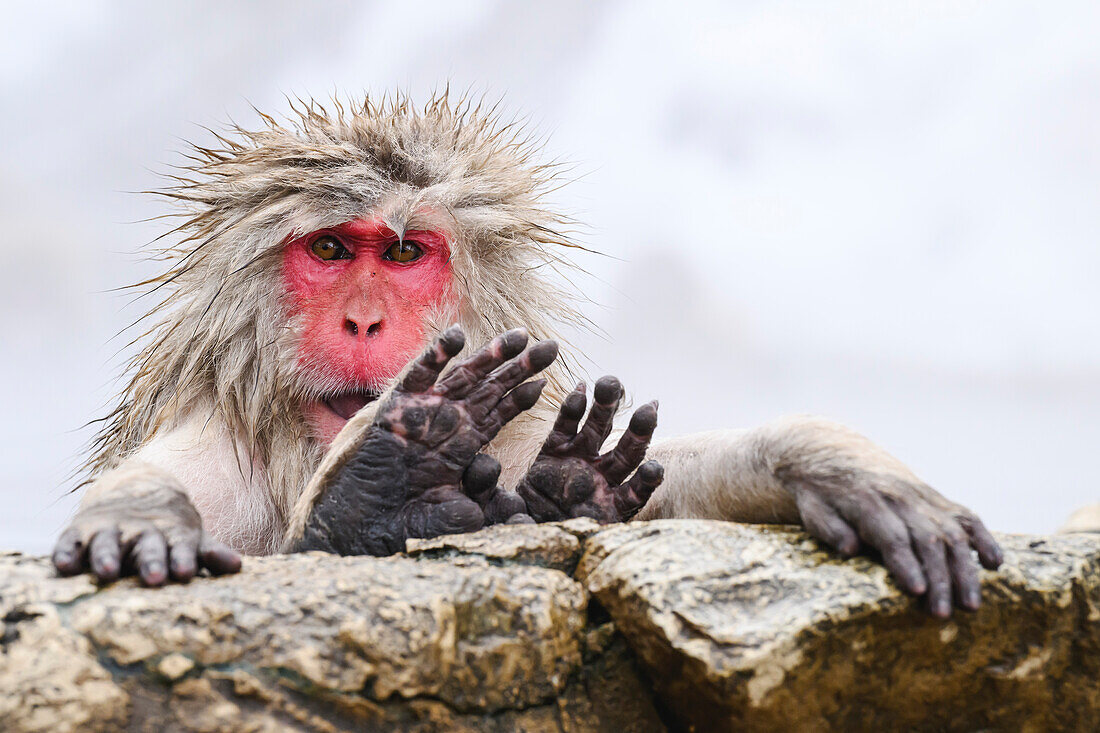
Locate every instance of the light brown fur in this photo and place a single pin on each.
(218, 342)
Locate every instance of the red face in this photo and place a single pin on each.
(363, 295)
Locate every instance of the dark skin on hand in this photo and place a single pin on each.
(570, 478)
(928, 554)
(418, 472)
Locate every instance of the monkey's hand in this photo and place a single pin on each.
(414, 472)
(144, 528)
(570, 478)
(850, 493)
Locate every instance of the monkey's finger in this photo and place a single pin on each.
(617, 464)
(485, 396)
(518, 400)
(964, 575)
(427, 367)
(458, 382)
(632, 496)
(503, 505)
(824, 523)
(569, 418)
(480, 478)
(150, 557)
(933, 556)
(989, 552)
(216, 557)
(183, 561)
(934, 559)
(520, 519)
(883, 530)
(105, 555)
(455, 514)
(607, 395)
(70, 552)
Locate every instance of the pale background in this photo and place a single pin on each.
(884, 212)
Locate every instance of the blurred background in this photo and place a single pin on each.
(885, 213)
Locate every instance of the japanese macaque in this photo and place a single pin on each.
(302, 385)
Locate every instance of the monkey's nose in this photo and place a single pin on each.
(353, 328)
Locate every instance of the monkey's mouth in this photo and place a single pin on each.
(346, 404)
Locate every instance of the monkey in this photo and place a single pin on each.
(292, 379)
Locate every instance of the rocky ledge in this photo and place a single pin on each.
(683, 625)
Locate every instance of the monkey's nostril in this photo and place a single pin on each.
(351, 327)
(374, 328)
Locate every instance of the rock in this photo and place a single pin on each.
(556, 546)
(753, 628)
(1085, 519)
(307, 641)
(703, 625)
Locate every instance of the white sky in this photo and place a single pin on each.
(885, 213)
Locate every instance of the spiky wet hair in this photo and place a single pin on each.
(218, 340)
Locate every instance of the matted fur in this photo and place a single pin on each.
(219, 341)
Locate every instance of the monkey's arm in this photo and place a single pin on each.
(843, 488)
(137, 519)
(414, 470)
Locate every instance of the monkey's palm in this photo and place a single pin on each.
(569, 478)
(410, 476)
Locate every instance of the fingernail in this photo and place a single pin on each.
(942, 609)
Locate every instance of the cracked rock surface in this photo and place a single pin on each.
(651, 626)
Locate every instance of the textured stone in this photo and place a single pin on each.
(703, 625)
(468, 634)
(556, 546)
(757, 629)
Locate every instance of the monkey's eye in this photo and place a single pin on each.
(329, 248)
(403, 252)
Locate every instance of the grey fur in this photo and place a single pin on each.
(217, 332)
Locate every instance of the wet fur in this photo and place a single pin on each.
(219, 348)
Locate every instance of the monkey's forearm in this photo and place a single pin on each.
(749, 475)
(723, 474)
